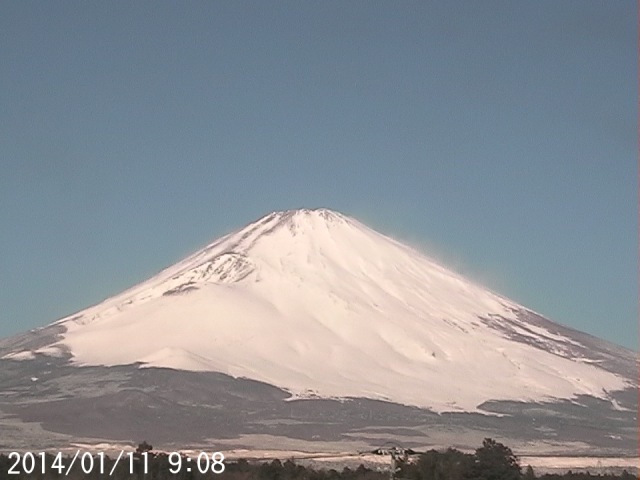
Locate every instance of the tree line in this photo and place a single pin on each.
(491, 461)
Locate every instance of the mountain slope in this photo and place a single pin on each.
(318, 304)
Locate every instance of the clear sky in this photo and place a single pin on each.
(499, 136)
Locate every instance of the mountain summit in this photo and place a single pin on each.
(321, 306)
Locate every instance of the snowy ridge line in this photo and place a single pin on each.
(315, 301)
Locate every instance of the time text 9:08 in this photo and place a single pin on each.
(100, 464)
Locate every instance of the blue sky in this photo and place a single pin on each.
(499, 136)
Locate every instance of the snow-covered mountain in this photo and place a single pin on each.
(319, 305)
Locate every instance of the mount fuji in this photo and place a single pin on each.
(308, 326)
